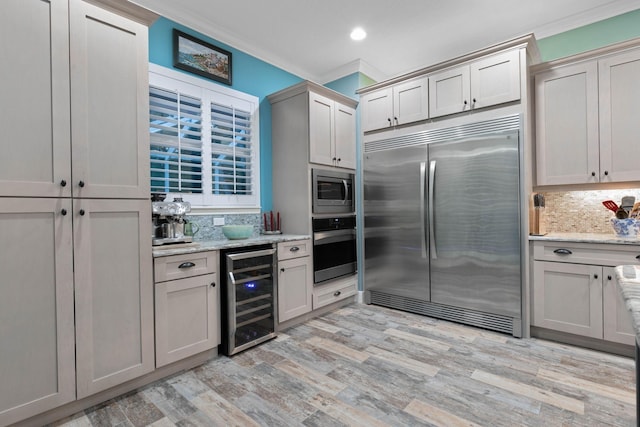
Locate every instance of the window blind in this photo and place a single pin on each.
(176, 141)
(231, 150)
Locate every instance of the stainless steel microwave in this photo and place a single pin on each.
(332, 191)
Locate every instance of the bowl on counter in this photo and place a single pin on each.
(237, 232)
(626, 228)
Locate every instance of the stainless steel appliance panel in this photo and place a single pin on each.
(475, 223)
(332, 192)
(395, 232)
(334, 248)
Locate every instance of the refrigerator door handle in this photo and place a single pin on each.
(432, 217)
(423, 180)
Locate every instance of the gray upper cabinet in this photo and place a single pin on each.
(109, 104)
(34, 82)
(402, 103)
(585, 110)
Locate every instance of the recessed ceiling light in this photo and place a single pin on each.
(358, 33)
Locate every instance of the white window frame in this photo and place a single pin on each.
(169, 79)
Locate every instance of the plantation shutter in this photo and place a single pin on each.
(231, 150)
(175, 126)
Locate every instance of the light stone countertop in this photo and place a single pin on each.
(586, 238)
(629, 288)
(213, 245)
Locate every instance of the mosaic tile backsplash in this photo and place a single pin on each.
(208, 231)
(582, 211)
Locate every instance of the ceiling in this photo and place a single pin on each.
(311, 38)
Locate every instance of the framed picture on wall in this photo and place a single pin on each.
(202, 58)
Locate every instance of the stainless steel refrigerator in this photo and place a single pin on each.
(442, 224)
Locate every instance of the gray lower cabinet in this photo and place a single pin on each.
(574, 290)
(187, 307)
(334, 291)
(113, 292)
(295, 279)
(37, 365)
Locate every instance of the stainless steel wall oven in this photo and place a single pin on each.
(249, 297)
(334, 247)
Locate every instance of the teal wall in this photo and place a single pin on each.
(249, 75)
(592, 36)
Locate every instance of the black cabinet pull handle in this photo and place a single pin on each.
(595, 276)
(81, 212)
(187, 264)
(213, 284)
(63, 183)
(63, 212)
(296, 249)
(81, 184)
(608, 277)
(562, 252)
(337, 293)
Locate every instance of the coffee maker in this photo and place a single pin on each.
(168, 220)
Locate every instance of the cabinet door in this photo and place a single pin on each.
(568, 298)
(321, 129)
(109, 104)
(449, 92)
(411, 101)
(35, 119)
(617, 320)
(345, 136)
(619, 119)
(495, 79)
(295, 285)
(567, 150)
(113, 292)
(37, 367)
(377, 109)
(187, 317)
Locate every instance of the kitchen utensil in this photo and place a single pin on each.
(611, 205)
(627, 203)
(635, 211)
(621, 214)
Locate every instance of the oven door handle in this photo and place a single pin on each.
(253, 254)
(326, 237)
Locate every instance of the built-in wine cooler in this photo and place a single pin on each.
(249, 296)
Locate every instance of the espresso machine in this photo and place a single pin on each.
(168, 220)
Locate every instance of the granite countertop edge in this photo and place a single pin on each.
(585, 238)
(629, 289)
(214, 245)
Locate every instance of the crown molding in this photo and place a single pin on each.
(355, 66)
(605, 11)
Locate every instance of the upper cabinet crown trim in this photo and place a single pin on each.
(306, 86)
(128, 9)
(528, 41)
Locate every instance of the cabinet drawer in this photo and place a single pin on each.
(294, 249)
(330, 293)
(187, 265)
(586, 253)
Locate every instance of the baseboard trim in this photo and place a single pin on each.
(580, 341)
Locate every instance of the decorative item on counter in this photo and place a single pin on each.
(271, 223)
(618, 210)
(536, 220)
(635, 211)
(237, 232)
(626, 228)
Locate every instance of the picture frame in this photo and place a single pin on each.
(199, 57)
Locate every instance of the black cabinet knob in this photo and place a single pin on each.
(63, 183)
(81, 184)
(474, 100)
(606, 173)
(608, 277)
(593, 174)
(339, 159)
(63, 212)
(595, 276)
(213, 284)
(337, 293)
(465, 102)
(81, 212)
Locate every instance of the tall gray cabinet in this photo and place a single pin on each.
(76, 291)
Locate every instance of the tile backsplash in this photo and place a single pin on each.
(582, 211)
(208, 231)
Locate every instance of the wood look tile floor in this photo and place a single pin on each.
(371, 366)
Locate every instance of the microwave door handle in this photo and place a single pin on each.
(346, 191)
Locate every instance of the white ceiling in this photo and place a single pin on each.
(310, 38)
